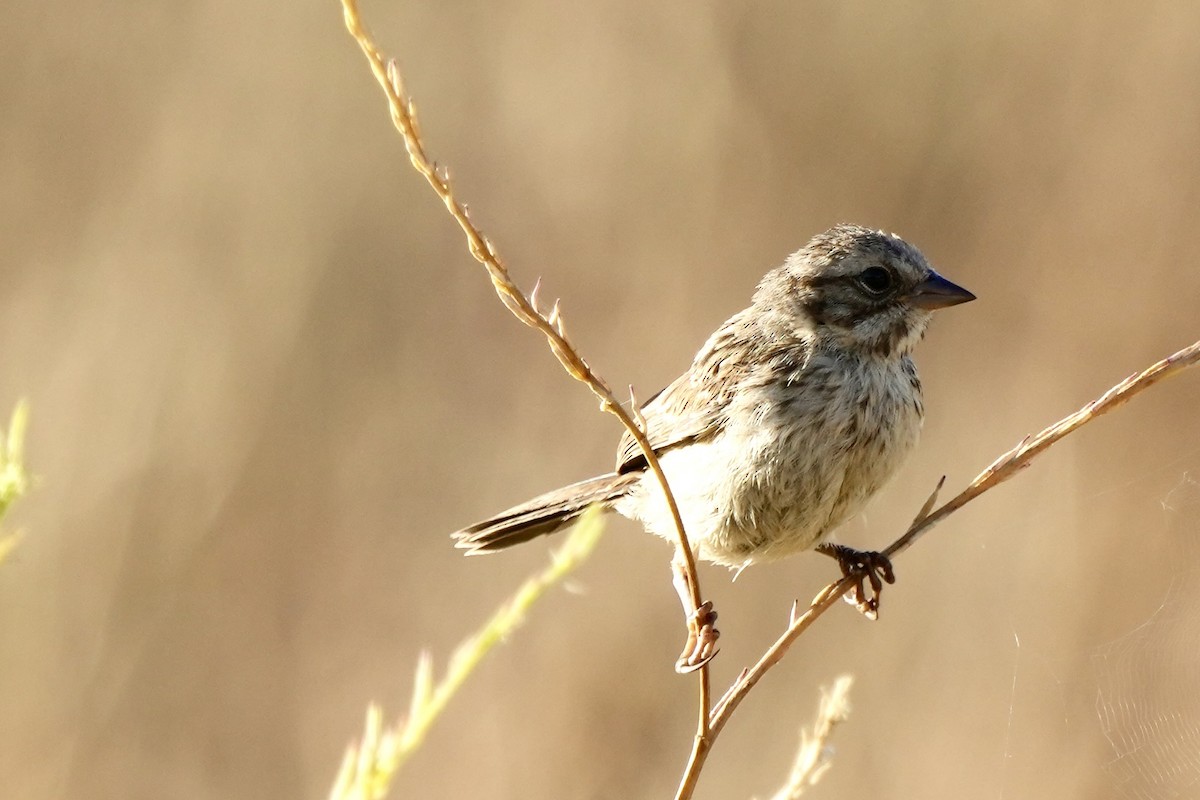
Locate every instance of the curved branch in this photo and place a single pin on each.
(999, 471)
(404, 117)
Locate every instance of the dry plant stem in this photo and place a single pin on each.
(812, 758)
(1019, 457)
(404, 116)
(369, 769)
(1000, 470)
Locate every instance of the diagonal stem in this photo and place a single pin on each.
(404, 117)
(1003, 468)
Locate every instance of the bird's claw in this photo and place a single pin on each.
(701, 644)
(865, 567)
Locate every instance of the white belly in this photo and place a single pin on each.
(794, 461)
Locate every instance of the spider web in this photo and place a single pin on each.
(1148, 680)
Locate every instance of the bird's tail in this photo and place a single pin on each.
(544, 514)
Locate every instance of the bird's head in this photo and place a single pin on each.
(866, 291)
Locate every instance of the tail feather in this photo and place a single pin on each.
(544, 514)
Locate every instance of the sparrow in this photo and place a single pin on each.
(791, 416)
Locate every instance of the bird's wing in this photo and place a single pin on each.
(693, 407)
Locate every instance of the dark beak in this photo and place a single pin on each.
(936, 292)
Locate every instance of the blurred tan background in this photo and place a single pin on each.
(267, 381)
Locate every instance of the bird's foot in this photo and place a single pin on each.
(865, 567)
(702, 638)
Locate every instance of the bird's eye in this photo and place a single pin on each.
(876, 280)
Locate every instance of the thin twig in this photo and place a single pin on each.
(15, 481)
(368, 769)
(404, 117)
(812, 757)
(1000, 470)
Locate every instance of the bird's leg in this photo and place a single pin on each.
(865, 566)
(702, 637)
